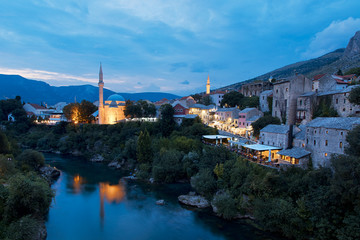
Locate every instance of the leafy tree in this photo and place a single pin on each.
(354, 96)
(80, 112)
(206, 100)
(167, 123)
(8, 106)
(219, 170)
(28, 195)
(144, 150)
(263, 122)
(167, 166)
(226, 205)
(232, 99)
(30, 160)
(353, 71)
(132, 110)
(197, 97)
(204, 183)
(4, 144)
(23, 228)
(251, 102)
(353, 138)
(339, 73)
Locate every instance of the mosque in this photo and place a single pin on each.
(112, 111)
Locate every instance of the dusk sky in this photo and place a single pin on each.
(167, 46)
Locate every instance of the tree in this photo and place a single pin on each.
(339, 73)
(31, 160)
(80, 112)
(167, 123)
(263, 122)
(353, 138)
(204, 183)
(354, 96)
(144, 150)
(206, 100)
(132, 110)
(355, 71)
(232, 99)
(197, 97)
(168, 167)
(4, 144)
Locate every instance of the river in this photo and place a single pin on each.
(94, 202)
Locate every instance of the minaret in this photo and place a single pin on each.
(208, 85)
(101, 96)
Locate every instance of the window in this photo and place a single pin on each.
(307, 141)
(340, 144)
(315, 131)
(343, 109)
(341, 133)
(300, 102)
(263, 97)
(314, 142)
(287, 89)
(337, 101)
(276, 103)
(327, 132)
(326, 154)
(277, 90)
(326, 142)
(303, 145)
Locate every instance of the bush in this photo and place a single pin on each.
(167, 167)
(30, 160)
(28, 195)
(204, 183)
(26, 228)
(226, 205)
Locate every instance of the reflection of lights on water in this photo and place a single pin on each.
(78, 181)
(112, 194)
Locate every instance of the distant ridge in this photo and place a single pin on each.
(343, 58)
(40, 92)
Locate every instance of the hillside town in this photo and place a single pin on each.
(296, 101)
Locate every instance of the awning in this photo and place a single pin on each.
(214, 137)
(260, 147)
(294, 152)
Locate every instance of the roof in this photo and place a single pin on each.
(307, 94)
(162, 101)
(191, 116)
(246, 110)
(116, 97)
(215, 136)
(266, 92)
(218, 92)
(260, 147)
(201, 106)
(294, 152)
(338, 91)
(226, 109)
(345, 123)
(300, 135)
(96, 113)
(273, 128)
(36, 106)
(253, 118)
(317, 77)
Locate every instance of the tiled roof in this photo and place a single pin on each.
(346, 123)
(226, 109)
(246, 110)
(301, 135)
(307, 94)
(317, 77)
(266, 92)
(273, 128)
(294, 152)
(202, 106)
(36, 106)
(192, 116)
(339, 91)
(253, 119)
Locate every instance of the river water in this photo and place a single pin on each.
(94, 202)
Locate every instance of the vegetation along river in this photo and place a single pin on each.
(95, 202)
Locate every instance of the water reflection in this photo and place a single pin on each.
(110, 193)
(78, 181)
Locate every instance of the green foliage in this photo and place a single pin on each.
(324, 109)
(7, 167)
(167, 166)
(143, 149)
(28, 195)
(226, 205)
(355, 70)
(339, 73)
(167, 123)
(204, 182)
(354, 96)
(8, 106)
(25, 228)
(270, 103)
(4, 144)
(251, 102)
(263, 122)
(206, 100)
(219, 170)
(80, 112)
(30, 160)
(353, 138)
(232, 99)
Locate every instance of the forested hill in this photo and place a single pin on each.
(38, 91)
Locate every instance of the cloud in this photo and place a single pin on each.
(176, 66)
(335, 36)
(186, 82)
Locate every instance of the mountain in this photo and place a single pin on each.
(38, 92)
(344, 59)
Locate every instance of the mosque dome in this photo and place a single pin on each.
(116, 97)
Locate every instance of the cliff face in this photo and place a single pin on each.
(353, 48)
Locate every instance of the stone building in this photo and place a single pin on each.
(285, 94)
(216, 97)
(305, 107)
(227, 114)
(263, 100)
(206, 113)
(255, 88)
(327, 136)
(277, 135)
(113, 110)
(248, 116)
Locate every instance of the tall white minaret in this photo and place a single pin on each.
(101, 96)
(208, 85)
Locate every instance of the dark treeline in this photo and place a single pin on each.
(319, 203)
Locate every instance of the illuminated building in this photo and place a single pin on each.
(113, 110)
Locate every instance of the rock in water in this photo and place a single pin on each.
(49, 173)
(114, 164)
(196, 201)
(160, 202)
(97, 158)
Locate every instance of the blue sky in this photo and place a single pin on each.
(168, 46)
